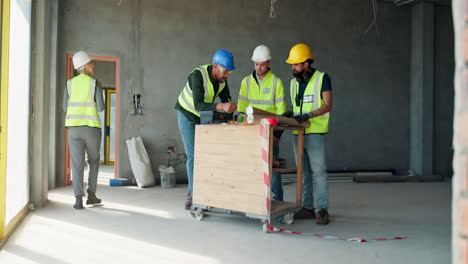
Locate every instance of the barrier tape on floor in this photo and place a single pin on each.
(264, 130)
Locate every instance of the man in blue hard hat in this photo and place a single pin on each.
(204, 84)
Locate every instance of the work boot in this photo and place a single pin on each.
(305, 213)
(193, 212)
(188, 201)
(322, 217)
(78, 202)
(92, 199)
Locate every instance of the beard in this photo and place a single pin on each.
(298, 74)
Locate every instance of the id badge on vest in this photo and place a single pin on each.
(266, 90)
(308, 99)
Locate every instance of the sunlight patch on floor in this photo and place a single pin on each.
(93, 246)
(122, 208)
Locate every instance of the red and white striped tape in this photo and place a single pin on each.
(264, 130)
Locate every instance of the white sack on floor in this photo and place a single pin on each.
(140, 162)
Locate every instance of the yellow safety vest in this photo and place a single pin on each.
(186, 96)
(81, 110)
(269, 96)
(311, 100)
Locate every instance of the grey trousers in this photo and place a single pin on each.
(81, 139)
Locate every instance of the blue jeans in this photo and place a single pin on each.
(276, 184)
(187, 131)
(314, 169)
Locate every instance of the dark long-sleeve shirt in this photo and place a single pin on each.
(304, 81)
(195, 80)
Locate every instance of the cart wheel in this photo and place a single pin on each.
(199, 214)
(265, 227)
(288, 218)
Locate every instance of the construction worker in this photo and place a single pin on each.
(263, 90)
(311, 98)
(204, 84)
(82, 101)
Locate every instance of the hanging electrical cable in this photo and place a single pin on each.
(374, 21)
(272, 9)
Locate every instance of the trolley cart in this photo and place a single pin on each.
(229, 172)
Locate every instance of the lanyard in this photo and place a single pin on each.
(299, 100)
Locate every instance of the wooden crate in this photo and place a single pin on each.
(228, 168)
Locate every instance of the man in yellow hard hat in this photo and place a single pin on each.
(82, 101)
(311, 98)
(204, 84)
(263, 90)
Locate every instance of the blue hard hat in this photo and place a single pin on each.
(225, 59)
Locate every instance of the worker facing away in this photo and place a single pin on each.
(311, 98)
(204, 84)
(263, 90)
(82, 101)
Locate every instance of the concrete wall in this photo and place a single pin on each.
(160, 42)
(105, 70)
(444, 66)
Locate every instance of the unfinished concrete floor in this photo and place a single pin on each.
(150, 226)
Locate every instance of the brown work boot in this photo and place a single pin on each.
(188, 201)
(78, 202)
(322, 217)
(305, 213)
(92, 199)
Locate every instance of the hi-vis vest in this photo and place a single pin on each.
(186, 96)
(269, 96)
(81, 110)
(311, 100)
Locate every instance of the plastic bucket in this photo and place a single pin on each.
(168, 179)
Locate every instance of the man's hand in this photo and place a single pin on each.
(288, 114)
(226, 107)
(303, 117)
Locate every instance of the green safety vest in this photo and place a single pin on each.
(186, 96)
(81, 110)
(311, 100)
(269, 96)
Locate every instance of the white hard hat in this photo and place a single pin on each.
(80, 59)
(261, 54)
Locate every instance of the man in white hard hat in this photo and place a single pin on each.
(82, 101)
(263, 90)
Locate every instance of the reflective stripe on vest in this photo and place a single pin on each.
(313, 90)
(259, 100)
(81, 109)
(186, 96)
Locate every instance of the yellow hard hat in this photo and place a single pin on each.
(299, 53)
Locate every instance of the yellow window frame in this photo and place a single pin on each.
(5, 38)
(107, 160)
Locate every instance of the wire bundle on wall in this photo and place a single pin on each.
(272, 9)
(374, 21)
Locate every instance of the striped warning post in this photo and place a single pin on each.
(265, 141)
(264, 135)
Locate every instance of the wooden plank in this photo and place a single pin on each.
(285, 170)
(286, 128)
(281, 206)
(281, 119)
(300, 152)
(228, 168)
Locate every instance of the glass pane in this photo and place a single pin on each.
(112, 128)
(102, 116)
(17, 181)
